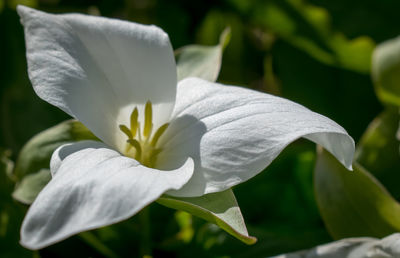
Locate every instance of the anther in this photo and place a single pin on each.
(148, 119)
(158, 134)
(134, 121)
(126, 131)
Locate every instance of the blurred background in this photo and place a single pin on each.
(316, 53)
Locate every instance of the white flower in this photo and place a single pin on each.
(183, 139)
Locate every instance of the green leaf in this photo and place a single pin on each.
(308, 28)
(14, 3)
(32, 167)
(352, 54)
(202, 61)
(378, 150)
(92, 240)
(386, 71)
(10, 214)
(6, 165)
(37, 152)
(219, 208)
(31, 185)
(353, 203)
(184, 221)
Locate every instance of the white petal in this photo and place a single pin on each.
(361, 247)
(94, 187)
(233, 133)
(98, 69)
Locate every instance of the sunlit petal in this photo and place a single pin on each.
(233, 133)
(94, 187)
(97, 69)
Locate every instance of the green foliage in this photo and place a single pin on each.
(32, 169)
(386, 72)
(10, 214)
(36, 153)
(31, 185)
(307, 27)
(378, 150)
(184, 221)
(219, 208)
(14, 3)
(353, 203)
(357, 204)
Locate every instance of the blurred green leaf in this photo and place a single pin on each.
(14, 3)
(31, 185)
(32, 167)
(202, 61)
(10, 214)
(308, 28)
(353, 203)
(6, 165)
(238, 64)
(353, 54)
(378, 150)
(386, 71)
(184, 221)
(303, 176)
(219, 208)
(37, 152)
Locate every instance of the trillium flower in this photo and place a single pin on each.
(159, 136)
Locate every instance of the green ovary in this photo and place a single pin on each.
(142, 146)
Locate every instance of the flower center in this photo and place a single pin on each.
(142, 146)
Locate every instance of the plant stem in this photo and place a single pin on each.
(94, 242)
(145, 244)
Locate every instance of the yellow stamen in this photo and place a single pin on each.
(139, 133)
(148, 118)
(134, 121)
(158, 134)
(143, 146)
(126, 131)
(134, 143)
